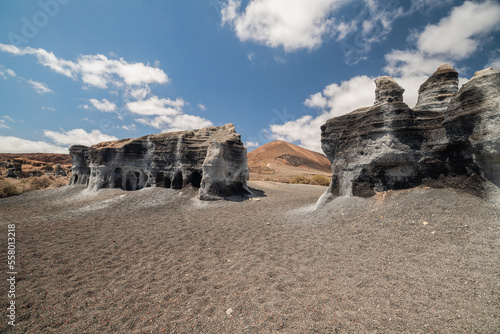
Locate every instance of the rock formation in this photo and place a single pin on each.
(472, 124)
(212, 159)
(436, 92)
(15, 170)
(449, 138)
(59, 171)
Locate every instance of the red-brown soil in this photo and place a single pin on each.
(30, 158)
(35, 162)
(280, 161)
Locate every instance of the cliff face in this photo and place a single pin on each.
(449, 138)
(212, 159)
(472, 123)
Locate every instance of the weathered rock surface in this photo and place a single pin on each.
(212, 159)
(449, 139)
(472, 124)
(436, 92)
(59, 171)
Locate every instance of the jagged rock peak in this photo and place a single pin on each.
(387, 91)
(436, 92)
(450, 139)
(486, 71)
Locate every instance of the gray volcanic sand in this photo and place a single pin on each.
(159, 260)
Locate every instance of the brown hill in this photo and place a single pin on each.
(33, 164)
(30, 158)
(281, 161)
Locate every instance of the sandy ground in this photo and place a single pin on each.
(159, 260)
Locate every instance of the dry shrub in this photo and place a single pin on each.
(39, 182)
(320, 180)
(300, 179)
(8, 189)
(60, 182)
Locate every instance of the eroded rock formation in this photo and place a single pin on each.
(472, 123)
(450, 138)
(212, 159)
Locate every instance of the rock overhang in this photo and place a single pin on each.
(212, 159)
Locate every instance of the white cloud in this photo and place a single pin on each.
(316, 101)
(156, 106)
(138, 93)
(299, 24)
(251, 144)
(132, 79)
(40, 87)
(458, 35)
(45, 58)
(78, 137)
(11, 72)
(251, 56)
(131, 127)
(202, 107)
(103, 105)
(494, 59)
(280, 60)
(176, 122)
(495, 63)
(3, 125)
(426, 5)
(95, 70)
(229, 11)
(187, 122)
(99, 71)
(291, 24)
(157, 122)
(18, 145)
(411, 63)
(49, 108)
(344, 29)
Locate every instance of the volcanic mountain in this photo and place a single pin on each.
(281, 161)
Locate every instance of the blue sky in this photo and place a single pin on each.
(82, 72)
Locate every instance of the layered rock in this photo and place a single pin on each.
(212, 159)
(447, 139)
(472, 124)
(436, 92)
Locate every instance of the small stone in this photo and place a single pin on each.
(229, 311)
(425, 223)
